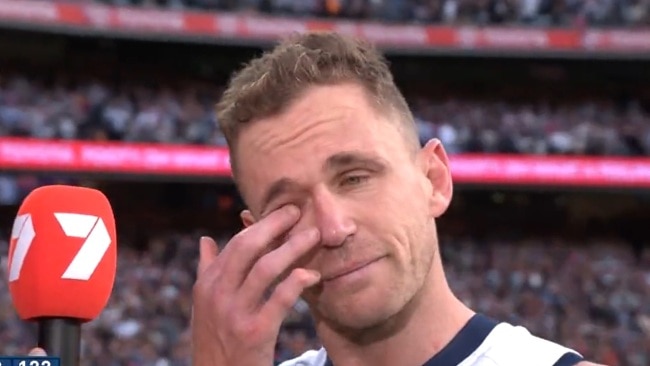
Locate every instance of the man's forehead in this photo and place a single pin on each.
(340, 124)
(316, 151)
(332, 142)
(318, 105)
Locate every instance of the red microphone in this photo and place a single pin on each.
(62, 262)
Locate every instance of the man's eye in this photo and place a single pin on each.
(354, 180)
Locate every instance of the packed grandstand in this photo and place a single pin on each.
(553, 270)
(162, 114)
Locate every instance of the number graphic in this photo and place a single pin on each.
(98, 240)
(83, 265)
(23, 231)
(34, 363)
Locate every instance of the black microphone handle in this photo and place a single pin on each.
(61, 337)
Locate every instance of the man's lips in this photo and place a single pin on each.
(349, 269)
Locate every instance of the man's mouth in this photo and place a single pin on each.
(349, 269)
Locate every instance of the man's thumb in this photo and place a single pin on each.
(37, 352)
(208, 251)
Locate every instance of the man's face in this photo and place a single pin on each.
(354, 178)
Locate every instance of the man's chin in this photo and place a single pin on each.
(357, 315)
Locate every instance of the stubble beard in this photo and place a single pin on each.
(381, 321)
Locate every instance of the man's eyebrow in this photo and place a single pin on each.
(354, 159)
(278, 188)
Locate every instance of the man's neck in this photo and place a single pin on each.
(434, 318)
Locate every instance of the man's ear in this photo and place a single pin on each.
(247, 218)
(435, 164)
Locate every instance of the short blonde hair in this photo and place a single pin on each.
(267, 85)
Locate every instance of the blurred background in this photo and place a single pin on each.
(544, 106)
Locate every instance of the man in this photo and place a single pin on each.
(342, 206)
(342, 202)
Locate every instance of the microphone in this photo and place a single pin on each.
(62, 262)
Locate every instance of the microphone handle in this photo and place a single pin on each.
(61, 337)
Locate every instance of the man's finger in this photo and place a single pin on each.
(267, 270)
(287, 292)
(208, 251)
(37, 352)
(249, 244)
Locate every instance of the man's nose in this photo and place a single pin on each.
(328, 213)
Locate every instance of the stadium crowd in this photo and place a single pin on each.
(594, 297)
(94, 111)
(480, 12)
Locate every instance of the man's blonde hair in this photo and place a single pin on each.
(269, 84)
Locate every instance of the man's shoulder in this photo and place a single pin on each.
(514, 345)
(309, 358)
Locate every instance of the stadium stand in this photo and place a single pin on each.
(528, 12)
(93, 111)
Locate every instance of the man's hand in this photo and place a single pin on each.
(234, 320)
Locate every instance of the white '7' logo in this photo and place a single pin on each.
(90, 227)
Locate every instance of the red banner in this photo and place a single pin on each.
(551, 170)
(265, 28)
(144, 159)
(171, 160)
